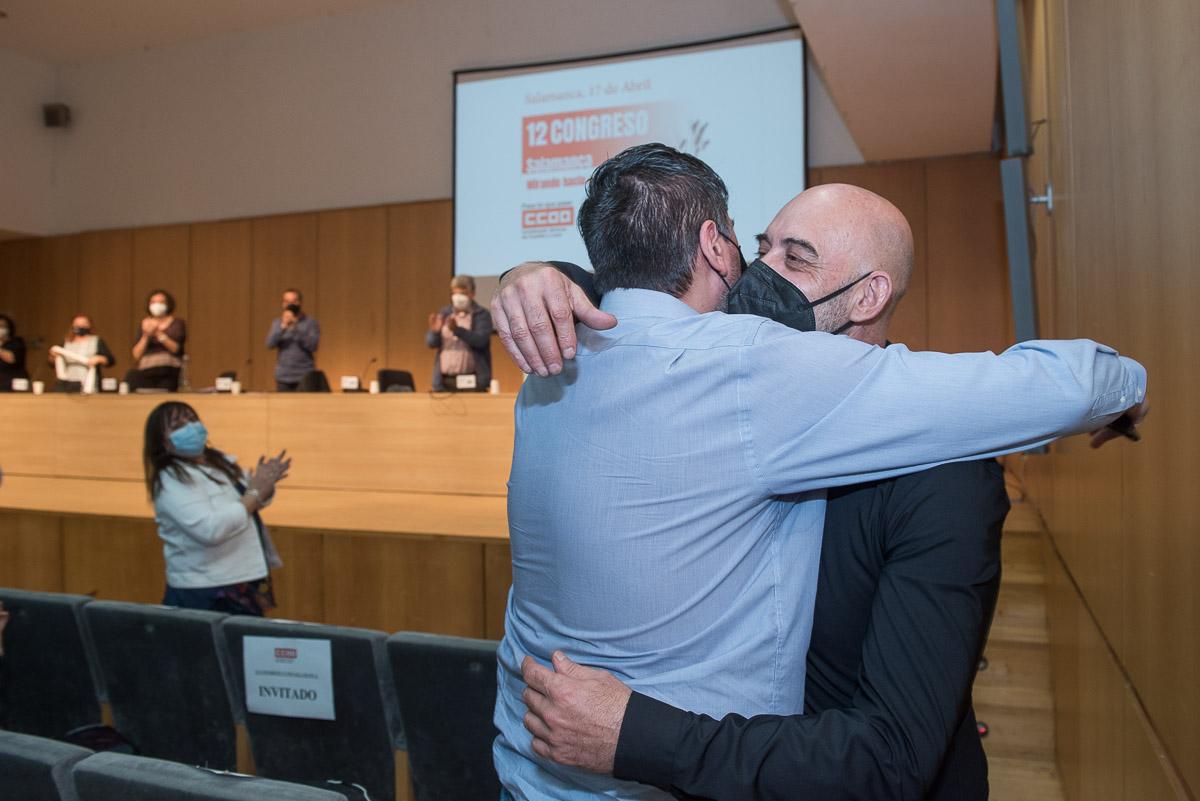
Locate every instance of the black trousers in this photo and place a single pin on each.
(287, 386)
(153, 378)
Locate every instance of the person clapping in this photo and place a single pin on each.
(80, 358)
(217, 551)
(159, 349)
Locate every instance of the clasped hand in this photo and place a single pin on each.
(269, 472)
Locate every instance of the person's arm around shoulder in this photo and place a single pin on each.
(535, 309)
(825, 410)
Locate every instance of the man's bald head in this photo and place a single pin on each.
(832, 234)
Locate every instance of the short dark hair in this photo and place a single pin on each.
(642, 216)
(170, 299)
(463, 282)
(12, 327)
(298, 293)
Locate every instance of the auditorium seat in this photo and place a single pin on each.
(396, 381)
(165, 671)
(37, 769)
(49, 665)
(446, 687)
(359, 745)
(120, 777)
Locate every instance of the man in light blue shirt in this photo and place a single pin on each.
(665, 501)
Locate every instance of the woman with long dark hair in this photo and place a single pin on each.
(217, 550)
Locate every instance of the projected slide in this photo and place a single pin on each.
(526, 143)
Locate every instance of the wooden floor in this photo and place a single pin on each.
(1013, 695)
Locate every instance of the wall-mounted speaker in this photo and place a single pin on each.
(56, 115)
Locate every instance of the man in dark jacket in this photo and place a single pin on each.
(462, 335)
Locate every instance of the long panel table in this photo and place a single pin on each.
(393, 517)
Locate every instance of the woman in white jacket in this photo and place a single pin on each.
(217, 550)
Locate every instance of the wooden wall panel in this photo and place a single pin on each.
(1153, 73)
(161, 257)
(114, 560)
(497, 574)
(53, 301)
(404, 585)
(903, 183)
(299, 584)
(105, 290)
(419, 269)
(284, 256)
(1122, 125)
(31, 552)
(219, 293)
(1148, 771)
(352, 276)
(969, 308)
(413, 450)
(18, 259)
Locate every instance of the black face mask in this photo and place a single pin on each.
(294, 308)
(81, 331)
(764, 292)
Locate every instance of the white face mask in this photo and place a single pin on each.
(158, 309)
(460, 302)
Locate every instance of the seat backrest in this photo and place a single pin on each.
(51, 685)
(446, 687)
(120, 777)
(314, 381)
(37, 769)
(167, 675)
(396, 381)
(359, 745)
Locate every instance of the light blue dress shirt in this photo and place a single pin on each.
(666, 500)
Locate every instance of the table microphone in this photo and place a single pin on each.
(362, 382)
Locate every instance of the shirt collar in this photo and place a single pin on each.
(627, 304)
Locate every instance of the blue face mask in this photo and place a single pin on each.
(189, 440)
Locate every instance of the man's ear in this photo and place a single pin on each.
(873, 299)
(715, 249)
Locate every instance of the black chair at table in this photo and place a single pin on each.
(396, 381)
(314, 381)
(166, 675)
(51, 685)
(37, 769)
(359, 746)
(120, 777)
(446, 687)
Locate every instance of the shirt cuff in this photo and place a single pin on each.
(646, 746)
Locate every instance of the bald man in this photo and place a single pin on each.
(908, 576)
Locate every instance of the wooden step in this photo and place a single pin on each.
(1023, 517)
(1018, 675)
(1023, 780)
(1020, 614)
(1017, 733)
(1021, 555)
